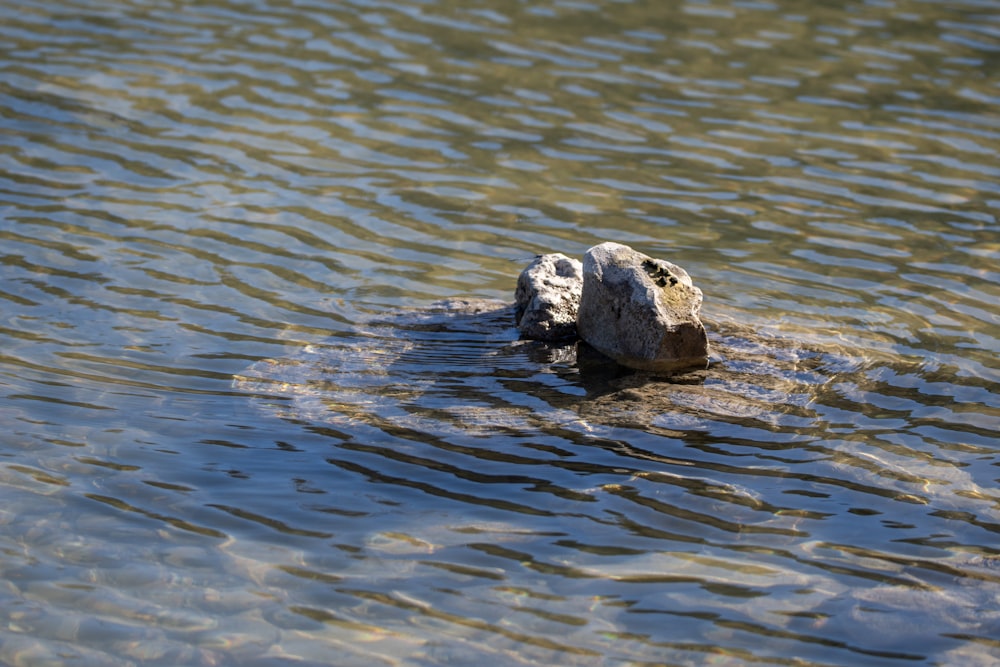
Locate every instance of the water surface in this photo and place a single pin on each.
(234, 434)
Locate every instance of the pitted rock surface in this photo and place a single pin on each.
(641, 312)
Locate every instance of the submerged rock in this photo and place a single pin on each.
(548, 296)
(461, 368)
(641, 312)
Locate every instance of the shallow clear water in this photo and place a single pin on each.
(234, 434)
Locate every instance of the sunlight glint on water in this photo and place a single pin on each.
(238, 433)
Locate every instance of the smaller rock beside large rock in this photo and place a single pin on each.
(641, 312)
(548, 295)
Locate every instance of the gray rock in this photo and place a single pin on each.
(548, 295)
(641, 312)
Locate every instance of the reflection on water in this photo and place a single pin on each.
(277, 192)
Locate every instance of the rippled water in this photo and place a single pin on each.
(237, 433)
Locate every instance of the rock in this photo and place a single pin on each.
(641, 312)
(548, 295)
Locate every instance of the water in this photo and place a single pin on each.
(235, 435)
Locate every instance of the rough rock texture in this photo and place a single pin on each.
(641, 312)
(548, 295)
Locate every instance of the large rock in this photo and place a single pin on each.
(641, 312)
(548, 295)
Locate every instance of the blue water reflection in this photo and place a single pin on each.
(239, 432)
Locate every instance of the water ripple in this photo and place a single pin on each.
(279, 192)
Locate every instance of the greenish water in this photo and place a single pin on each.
(233, 435)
